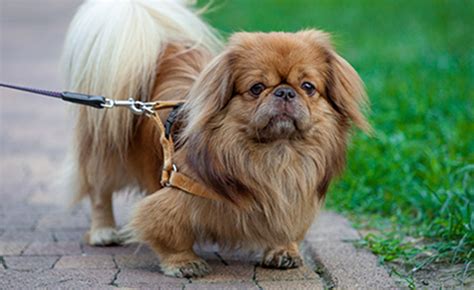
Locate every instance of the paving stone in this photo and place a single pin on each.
(150, 263)
(284, 285)
(69, 235)
(142, 250)
(301, 273)
(22, 209)
(85, 262)
(208, 256)
(13, 172)
(223, 286)
(12, 248)
(206, 248)
(242, 256)
(124, 205)
(41, 169)
(24, 221)
(234, 272)
(15, 195)
(141, 278)
(63, 220)
(26, 236)
(331, 226)
(2, 263)
(154, 286)
(48, 249)
(132, 249)
(207, 252)
(47, 194)
(30, 262)
(348, 267)
(57, 279)
(212, 252)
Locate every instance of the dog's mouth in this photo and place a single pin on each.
(279, 126)
(282, 120)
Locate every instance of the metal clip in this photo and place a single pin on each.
(136, 107)
(174, 169)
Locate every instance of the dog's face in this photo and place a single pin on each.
(273, 86)
(277, 86)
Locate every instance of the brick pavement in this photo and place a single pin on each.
(56, 257)
(41, 241)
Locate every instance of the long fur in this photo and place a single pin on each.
(274, 189)
(272, 160)
(112, 49)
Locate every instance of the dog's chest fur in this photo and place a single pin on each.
(284, 183)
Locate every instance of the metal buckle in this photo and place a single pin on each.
(136, 107)
(109, 103)
(174, 169)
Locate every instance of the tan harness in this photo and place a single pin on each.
(170, 176)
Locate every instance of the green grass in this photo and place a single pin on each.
(415, 177)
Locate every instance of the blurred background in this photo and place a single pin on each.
(410, 186)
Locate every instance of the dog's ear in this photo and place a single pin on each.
(210, 93)
(345, 90)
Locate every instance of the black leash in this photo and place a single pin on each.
(98, 102)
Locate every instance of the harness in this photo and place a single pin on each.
(170, 175)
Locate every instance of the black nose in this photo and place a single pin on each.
(285, 93)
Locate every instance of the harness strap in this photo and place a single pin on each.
(170, 177)
(186, 184)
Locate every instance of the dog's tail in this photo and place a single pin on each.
(113, 49)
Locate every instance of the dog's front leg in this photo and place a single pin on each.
(162, 220)
(283, 257)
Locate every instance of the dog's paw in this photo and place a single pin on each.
(103, 237)
(282, 259)
(192, 269)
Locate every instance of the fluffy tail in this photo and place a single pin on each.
(112, 49)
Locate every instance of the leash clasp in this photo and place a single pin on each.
(136, 107)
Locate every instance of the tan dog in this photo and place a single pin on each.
(265, 125)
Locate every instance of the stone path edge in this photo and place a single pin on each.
(330, 251)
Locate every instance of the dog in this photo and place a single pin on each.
(265, 125)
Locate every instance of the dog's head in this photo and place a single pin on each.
(267, 90)
(274, 86)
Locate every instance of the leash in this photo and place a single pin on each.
(170, 176)
(98, 102)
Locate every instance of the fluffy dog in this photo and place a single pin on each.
(265, 125)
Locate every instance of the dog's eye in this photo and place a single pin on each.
(257, 89)
(309, 88)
